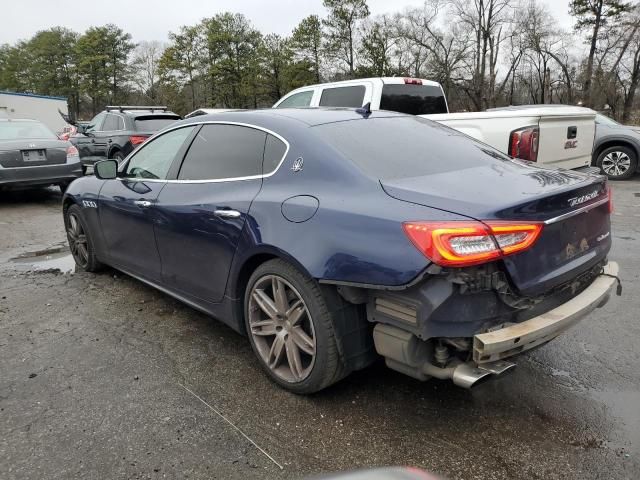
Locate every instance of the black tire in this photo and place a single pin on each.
(327, 366)
(84, 169)
(618, 162)
(118, 157)
(89, 263)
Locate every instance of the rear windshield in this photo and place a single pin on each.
(413, 99)
(153, 124)
(27, 130)
(399, 147)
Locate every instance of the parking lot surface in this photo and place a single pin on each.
(104, 377)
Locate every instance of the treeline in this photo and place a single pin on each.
(485, 53)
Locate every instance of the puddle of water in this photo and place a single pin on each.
(56, 258)
(624, 406)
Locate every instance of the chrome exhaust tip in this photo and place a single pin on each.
(469, 375)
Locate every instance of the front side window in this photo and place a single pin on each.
(95, 125)
(297, 100)
(343, 96)
(153, 160)
(222, 152)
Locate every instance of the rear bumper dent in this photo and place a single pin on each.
(512, 340)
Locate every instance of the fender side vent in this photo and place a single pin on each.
(394, 309)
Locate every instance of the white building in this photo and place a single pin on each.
(37, 107)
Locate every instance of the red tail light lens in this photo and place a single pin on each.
(523, 143)
(137, 139)
(461, 244)
(412, 81)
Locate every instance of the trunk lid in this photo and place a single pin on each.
(32, 153)
(576, 234)
(566, 137)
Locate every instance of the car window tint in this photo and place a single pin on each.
(343, 96)
(110, 123)
(96, 123)
(154, 158)
(413, 99)
(298, 100)
(153, 124)
(224, 151)
(274, 150)
(406, 146)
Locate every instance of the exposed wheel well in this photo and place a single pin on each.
(65, 206)
(612, 143)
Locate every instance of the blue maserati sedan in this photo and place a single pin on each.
(331, 237)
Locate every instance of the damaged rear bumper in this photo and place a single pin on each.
(514, 339)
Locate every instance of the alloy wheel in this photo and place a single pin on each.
(77, 241)
(615, 164)
(282, 328)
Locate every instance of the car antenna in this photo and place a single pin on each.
(364, 110)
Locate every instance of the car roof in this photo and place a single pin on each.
(305, 116)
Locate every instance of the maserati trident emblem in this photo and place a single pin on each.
(583, 198)
(297, 164)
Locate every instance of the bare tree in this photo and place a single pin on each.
(146, 76)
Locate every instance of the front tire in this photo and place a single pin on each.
(618, 162)
(290, 328)
(80, 240)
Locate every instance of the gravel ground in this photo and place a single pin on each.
(104, 377)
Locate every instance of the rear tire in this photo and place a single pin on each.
(118, 157)
(290, 328)
(80, 240)
(618, 162)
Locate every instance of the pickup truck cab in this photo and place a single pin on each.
(554, 136)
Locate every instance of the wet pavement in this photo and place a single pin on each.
(104, 377)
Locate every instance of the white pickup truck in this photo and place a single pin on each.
(555, 136)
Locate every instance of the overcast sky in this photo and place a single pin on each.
(153, 19)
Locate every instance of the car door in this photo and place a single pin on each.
(104, 136)
(86, 143)
(202, 213)
(127, 204)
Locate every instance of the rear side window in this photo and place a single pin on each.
(223, 152)
(343, 96)
(153, 124)
(404, 146)
(274, 151)
(413, 99)
(111, 123)
(298, 100)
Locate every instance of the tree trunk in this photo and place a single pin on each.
(629, 98)
(592, 52)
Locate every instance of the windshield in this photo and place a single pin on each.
(399, 147)
(24, 130)
(604, 120)
(413, 99)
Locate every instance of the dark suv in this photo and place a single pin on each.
(117, 131)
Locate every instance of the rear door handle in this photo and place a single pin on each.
(142, 203)
(227, 213)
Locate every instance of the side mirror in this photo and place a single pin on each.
(106, 169)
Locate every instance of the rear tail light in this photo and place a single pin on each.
(137, 139)
(72, 154)
(461, 244)
(523, 143)
(412, 81)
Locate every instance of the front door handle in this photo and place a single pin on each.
(142, 203)
(227, 213)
